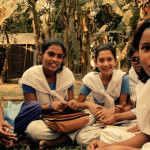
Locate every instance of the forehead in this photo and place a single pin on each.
(105, 53)
(135, 54)
(55, 49)
(145, 38)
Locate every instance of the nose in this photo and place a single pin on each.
(54, 58)
(105, 63)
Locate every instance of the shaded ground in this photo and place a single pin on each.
(13, 89)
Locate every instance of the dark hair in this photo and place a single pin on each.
(138, 34)
(132, 51)
(102, 47)
(51, 42)
(143, 76)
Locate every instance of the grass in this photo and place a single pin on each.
(66, 147)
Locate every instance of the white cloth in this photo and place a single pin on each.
(37, 130)
(146, 146)
(143, 106)
(88, 134)
(112, 135)
(35, 78)
(93, 81)
(133, 81)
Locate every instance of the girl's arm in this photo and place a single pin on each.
(123, 101)
(137, 141)
(32, 97)
(6, 136)
(70, 95)
(118, 117)
(81, 98)
(29, 93)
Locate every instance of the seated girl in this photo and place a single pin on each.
(139, 141)
(50, 84)
(109, 87)
(14, 119)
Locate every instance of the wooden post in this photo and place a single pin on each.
(24, 64)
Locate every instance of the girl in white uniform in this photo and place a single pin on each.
(109, 87)
(139, 141)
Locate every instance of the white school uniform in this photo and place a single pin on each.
(93, 81)
(34, 77)
(133, 81)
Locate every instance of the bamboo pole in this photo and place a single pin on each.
(24, 64)
(12, 98)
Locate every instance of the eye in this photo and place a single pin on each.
(145, 48)
(135, 59)
(109, 59)
(51, 54)
(60, 56)
(101, 60)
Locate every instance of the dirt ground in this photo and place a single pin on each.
(13, 91)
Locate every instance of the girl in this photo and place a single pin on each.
(134, 72)
(51, 84)
(142, 43)
(108, 86)
(14, 119)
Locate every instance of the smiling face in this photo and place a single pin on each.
(105, 62)
(136, 62)
(144, 50)
(52, 59)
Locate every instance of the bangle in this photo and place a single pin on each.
(50, 105)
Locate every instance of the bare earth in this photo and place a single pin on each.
(13, 91)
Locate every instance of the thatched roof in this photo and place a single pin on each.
(19, 38)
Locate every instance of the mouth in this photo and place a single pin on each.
(54, 65)
(106, 69)
(138, 68)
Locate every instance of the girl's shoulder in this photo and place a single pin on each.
(118, 71)
(91, 77)
(92, 73)
(33, 69)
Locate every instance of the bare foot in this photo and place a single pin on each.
(49, 143)
(20, 142)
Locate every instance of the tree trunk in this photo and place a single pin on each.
(4, 73)
(36, 29)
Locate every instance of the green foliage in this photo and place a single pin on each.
(129, 1)
(18, 22)
(121, 27)
(83, 2)
(134, 20)
(74, 42)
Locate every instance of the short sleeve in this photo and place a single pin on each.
(27, 89)
(71, 88)
(85, 90)
(125, 85)
(133, 111)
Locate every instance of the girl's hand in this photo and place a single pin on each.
(96, 144)
(104, 113)
(6, 142)
(73, 104)
(93, 107)
(6, 137)
(59, 106)
(109, 120)
(117, 147)
(134, 129)
(120, 108)
(5, 132)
